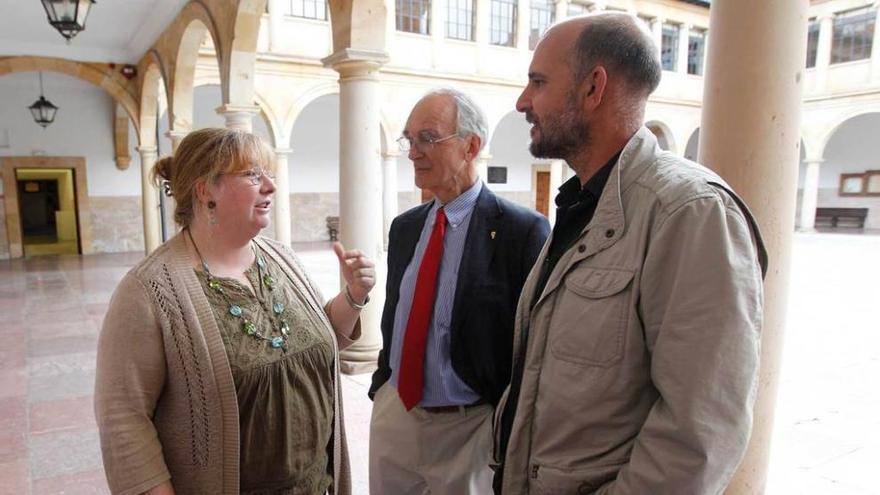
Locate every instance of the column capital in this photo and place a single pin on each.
(355, 62)
(147, 150)
(238, 116)
(818, 161)
(176, 134)
(283, 151)
(390, 154)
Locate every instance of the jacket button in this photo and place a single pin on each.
(582, 248)
(609, 233)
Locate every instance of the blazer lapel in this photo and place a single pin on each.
(479, 247)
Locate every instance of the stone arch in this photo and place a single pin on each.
(101, 75)
(239, 74)
(358, 24)
(183, 83)
(302, 101)
(843, 119)
(665, 136)
(153, 83)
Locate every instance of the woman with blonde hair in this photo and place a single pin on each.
(218, 364)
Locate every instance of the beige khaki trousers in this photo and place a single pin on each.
(418, 452)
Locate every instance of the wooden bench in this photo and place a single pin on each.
(333, 227)
(831, 217)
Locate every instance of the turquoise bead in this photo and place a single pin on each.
(278, 308)
(235, 310)
(277, 342)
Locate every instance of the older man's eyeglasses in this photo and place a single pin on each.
(422, 142)
(255, 175)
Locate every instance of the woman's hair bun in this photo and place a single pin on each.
(163, 169)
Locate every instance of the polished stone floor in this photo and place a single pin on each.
(827, 437)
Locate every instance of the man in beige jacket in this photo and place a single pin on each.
(637, 334)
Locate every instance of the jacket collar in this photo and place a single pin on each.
(608, 222)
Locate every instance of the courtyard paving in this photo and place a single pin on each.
(826, 441)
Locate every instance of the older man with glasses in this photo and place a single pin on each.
(456, 266)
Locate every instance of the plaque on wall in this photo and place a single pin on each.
(872, 182)
(497, 175)
(852, 184)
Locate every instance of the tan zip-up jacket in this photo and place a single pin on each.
(642, 351)
(165, 401)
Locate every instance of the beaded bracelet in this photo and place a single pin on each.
(352, 303)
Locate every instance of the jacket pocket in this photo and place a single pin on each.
(591, 315)
(546, 480)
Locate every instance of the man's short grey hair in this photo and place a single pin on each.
(469, 118)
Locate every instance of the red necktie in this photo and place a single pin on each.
(412, 360)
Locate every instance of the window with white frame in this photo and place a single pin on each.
(853, 35)
(812, 42)
(502, 24)
(669, 46)
(696, 51)
(460, 19)
(413, 16)
(308, 9)
(543, 15)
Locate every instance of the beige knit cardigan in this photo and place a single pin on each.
(165, 401)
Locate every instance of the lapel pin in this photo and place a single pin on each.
(492, 235)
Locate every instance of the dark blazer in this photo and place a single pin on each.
(503, 242)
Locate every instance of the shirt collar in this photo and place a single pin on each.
(571, 191)
(459, 208)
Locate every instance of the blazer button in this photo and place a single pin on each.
(582, 248)
(609, 233)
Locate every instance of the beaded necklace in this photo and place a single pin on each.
(265, 280)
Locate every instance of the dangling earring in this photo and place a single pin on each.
(212, 216)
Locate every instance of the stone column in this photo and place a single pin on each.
(282, 196)
(276, 24)
(684, 32)
(523, 29)
(360, 188)
(823, 51)
(810, 197)
(239, 116)
(657, 32)
(750, 136)
(437, 28)
(149, 199)
(389, 193)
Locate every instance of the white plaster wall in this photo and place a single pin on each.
(510, 148)
(314, 162)
(83, 127)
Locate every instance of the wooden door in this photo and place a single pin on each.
(542, 193)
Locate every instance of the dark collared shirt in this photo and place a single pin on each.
(575, 208)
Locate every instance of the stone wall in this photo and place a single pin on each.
(308, 215)
(4, 240)
(117, 224)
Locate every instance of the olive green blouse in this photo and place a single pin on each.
(285, 394)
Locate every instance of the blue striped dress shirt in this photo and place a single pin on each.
(442, 386)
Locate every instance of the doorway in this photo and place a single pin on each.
(47, 211)
(47, 206)
(542, 192)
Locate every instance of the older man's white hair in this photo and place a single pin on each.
(469, 118)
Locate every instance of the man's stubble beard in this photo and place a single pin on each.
(563, 136)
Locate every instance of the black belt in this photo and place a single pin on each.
(452, 409)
